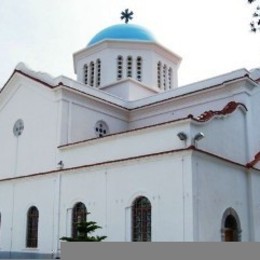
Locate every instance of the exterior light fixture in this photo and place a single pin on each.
(199, 136)
(182, 136)
(60, 165)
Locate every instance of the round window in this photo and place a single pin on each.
(18, 127)
(101, 129)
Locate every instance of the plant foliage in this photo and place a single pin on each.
(85, 229)
(255, 23)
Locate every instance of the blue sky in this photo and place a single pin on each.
(212, 37)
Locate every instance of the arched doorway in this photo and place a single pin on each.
(230, 226)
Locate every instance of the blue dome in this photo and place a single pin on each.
(123, 32)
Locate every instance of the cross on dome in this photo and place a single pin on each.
(127, 15)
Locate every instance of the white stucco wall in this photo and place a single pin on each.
(108, 192)
(19, 196)
(255, 200)
(79, 116)
(217, 186)
(222, 138)
(129, 144)
(189, 190)
(108, 51)
(34, 150)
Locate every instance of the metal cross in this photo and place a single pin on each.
(126, 15)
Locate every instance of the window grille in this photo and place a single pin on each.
(159, 72)
(79, 214)
(129, 66)
(86, 74)
(139, 68)
(164, 77)
(92, 73)
(170, 78)
(141, 219)
(32, 227)
(101, 129)
(119, 67)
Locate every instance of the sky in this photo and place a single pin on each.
(212, 37)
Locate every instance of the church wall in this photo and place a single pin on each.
(130, 144)
(6, 216)
(83, 122)
(217, 186)
(20, 195)
(80, 115)
(129, 90)
(36, 107)
(110, 64)
(169, 64)
(109, 68)
(255, 183)
(108, 59)
(108, 193)
(222, 138)
(182, 106)
(86, 61)
(254, 126)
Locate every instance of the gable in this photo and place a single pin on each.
(23, 99)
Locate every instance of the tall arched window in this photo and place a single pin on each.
(129, 68)
(141, 219)
(32, 227)
(170, 78)
(79, 214)
(86, 74)
(98, 69)
(159, 73)
(119, 67)
(139, 68)
(230, 226)
(165, 77)
(92, 73)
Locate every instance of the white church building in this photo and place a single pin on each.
(151, 161)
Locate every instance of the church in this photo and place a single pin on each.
(148, 159)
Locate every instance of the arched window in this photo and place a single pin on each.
(92, 73)
(230, 226)
(159, 73)
(79, 214)
(139, 68)
(119, 67)
(32, 227)
(170, 78)
(164, 77)
(86, 74)
(101, 128)
(98, 64)
(141, 219)
(129, 68)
